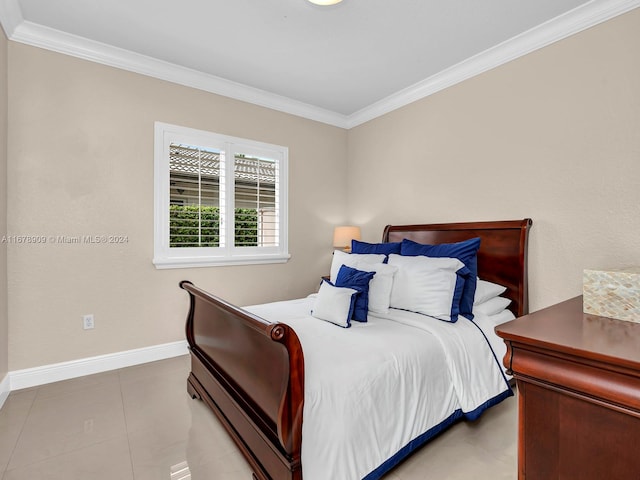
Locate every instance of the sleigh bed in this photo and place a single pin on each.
(251, 371)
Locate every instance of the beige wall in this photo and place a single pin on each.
(4, 342)
(81, 162)
(554, 136)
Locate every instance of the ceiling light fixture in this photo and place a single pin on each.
(325, 2)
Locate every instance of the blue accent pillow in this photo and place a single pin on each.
(358, 280)
(375, 248)
(466, 252)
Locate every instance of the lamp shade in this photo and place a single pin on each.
(343, 235)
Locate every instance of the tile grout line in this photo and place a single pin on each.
(15, 445)
(60, 454)
(44, 460)
(126, 424)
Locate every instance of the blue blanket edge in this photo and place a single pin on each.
(433, 432)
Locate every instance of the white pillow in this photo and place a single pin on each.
(492, 321)
(351, 260)
(424, 284)
(334, 304)
(380, 285)
(486, 291)
(492, 306)
(502, 317)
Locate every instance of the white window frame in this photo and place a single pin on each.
(187, 257)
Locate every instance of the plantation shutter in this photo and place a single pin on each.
(256, 205)
(195, 196)
(219, 200)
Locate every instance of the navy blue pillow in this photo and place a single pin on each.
(358, 280)
(375, 248)
(466, 252)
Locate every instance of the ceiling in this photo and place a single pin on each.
(342, 64)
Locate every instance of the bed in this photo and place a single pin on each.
(250, 371)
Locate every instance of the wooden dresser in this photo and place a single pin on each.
(578, 378)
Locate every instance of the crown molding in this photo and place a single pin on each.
(10, 16)
(563, 26)
(570, 23)
(55, 40)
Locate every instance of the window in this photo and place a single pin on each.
(219, 200)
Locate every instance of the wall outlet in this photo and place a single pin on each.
(87, 321)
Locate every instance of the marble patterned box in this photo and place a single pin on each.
(612, 293)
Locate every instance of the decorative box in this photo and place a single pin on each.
(612, 293)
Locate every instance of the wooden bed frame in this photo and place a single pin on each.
(251, 372)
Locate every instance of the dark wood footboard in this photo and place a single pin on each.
(251, 374)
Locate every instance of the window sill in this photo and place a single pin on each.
(191, 262)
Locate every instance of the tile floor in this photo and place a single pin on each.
(139, 423)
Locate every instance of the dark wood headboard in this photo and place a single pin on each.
(502, 257)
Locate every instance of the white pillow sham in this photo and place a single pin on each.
(486, 291)
(380, 285)
(352, 260)
(424, 284)
(334, 304)
(492, 321)
(492, 306)
(502, 317)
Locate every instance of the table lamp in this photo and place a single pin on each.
(343, 235)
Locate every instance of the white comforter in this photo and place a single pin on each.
(373, 388)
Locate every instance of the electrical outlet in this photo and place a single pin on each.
(87, 321)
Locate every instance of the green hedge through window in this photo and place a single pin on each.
(184, 221)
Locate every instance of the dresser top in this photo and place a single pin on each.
(565, 328)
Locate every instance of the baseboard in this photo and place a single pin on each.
(32, 377)
(5, 388)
